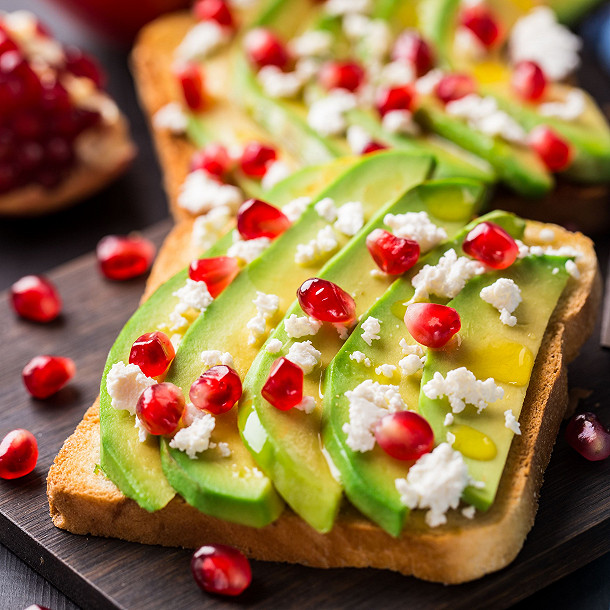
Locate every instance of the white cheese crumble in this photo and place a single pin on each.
(307, 405)
(416, 226)
(194, 438)
(249, 249)
(343, 331)
(305, 355)
(207, 228)
(326, 209)
(224, 449)
(300, 326)
(124, 384)
(546, 235)
(410, 364)
(572, 269)
(569, 109)
(276, 172)
(358, 139)
(360, 358)
(202, 40)
(401, 122)
(396, 73)
(371, 328)
(505, 296)
(467, 45)
(321, 246)
(191, 413)
(345, 7)
(426, 84)
(142, 431)
(273, 346)
(294, 209)
(411, 348)
(213, 357)
(279, 84)
(469, 512)
(386, 370)
(313, 43)
(327, 114)
(373, 36)
(171, 117)
(200, 193)
(267, 306)
(350, 218)
(449, 419)
(510, 421)
(192, 296)
(461, 388)
(548, 250)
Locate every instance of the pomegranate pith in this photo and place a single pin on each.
(256, 159)
(327, 302)
(413, 49)
(217, 272)
(587, 435)
(217, 390)
(393, 255)
(36, 298)
(153, 353)
(404, 435)
(83, 65)
(492, 245)
(341, 75)
(284, 385)
(43, 376)
(454, 87)
(552, 149)
(256, 218)
(395, 98)
(18, 454)
(214, 10)
(213, 158)
(221, 569)
(482, 23)
(528, 81)
(264, 48)
(123, 258)
(432, 325)
(160, 408)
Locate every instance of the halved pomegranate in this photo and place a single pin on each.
(528, 81)
(393, 255)
(482, 23)
(43, 376)
(153, 353)
(123, 258)
(555, 152)
(395, 98)
(160, 408)
(587, 435)
(18, 454)
(264, 48)
(413, 49)
(256, 159)
(217, 272)
(341, 75)
(190, 78)
(221, 569)
(454, 87)
(83, 65)
(256, 218)
(325, 301)
(213, 158)
(214, 10)
(404, 435)
(432, 325)
(217, 390)
(492, 245)
(35, 298)
(284, 385)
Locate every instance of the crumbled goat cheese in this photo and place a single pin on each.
(548, 250)
(191, 413)
(436, 482)
(124, 384)
(450, 438)
(426, 84)
(396, 73)
(411, 348)
(171, 117)
(326, 209)
(387, 370)
(307, 405)
(313, 43)
(400, 121)
(343, 331)
(449, 419)
(142, 431)
(223, 449)
(371, 328)
(267, 306)
(416, 226)
(305, 355)
(327, 115)
(358, 139)
(307, 68)
(274, 346)
(345, 7)
(538, 37)
(175, 340)
(350, 218)
(294, 209)
(202, 40)
(192, 296)
(409, 365)
(510, 421)
(360, 358)
(213, 357)
(200, 193)
(300, 326)
(368, 403)
(207, 228)
(568, 110)
(469, 512)
(194, 438)
(505, 296)
(572, 269)
(324, 243)
(461, 388)
(276, 172)
(279, 84)
(373, 36)
(467, 45)
(546, 235)
(249, 249)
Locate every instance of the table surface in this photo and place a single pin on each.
(136, 201)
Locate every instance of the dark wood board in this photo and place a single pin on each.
(572, 526)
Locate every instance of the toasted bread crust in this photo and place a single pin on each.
(85, 502)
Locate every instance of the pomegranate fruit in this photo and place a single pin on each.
(552, 149)
(454, 87)
(394, 98)
(160, 408)
(414, 50)
(190, 79)
(256, 218)
(18, 454)
(372, 147)
(221, 569)
(432, 325)
(123, 258)
(153, 353)
(217, 272)
(256, 159)
(327, 302)
(36, 298)
(492, 245)
(587, 435)
(43, 376)
(214, 10)
(264, 48)
(393, 255)
(213, 158)
(404, 435)
(528, 81)
(284, 385)
(217, 390)
(341, 75)
(482, 23)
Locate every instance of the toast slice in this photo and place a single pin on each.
(83, 501)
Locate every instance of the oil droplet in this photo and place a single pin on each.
(399, 309)
(505, 361)
(472, 443)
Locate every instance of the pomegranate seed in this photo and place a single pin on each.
(341, 75)
(372, 147)
(43, 376)
(587, 435)
(256, 158)
(432, 325)
(394, 255)
(191, 80)
(454, 87)
(123, 258)
(35, 298)
(213, 158)
(492, 245)
(214, 10)
(18, 454)
(221, 569)
(217, 390)
(327, 302)
(6, 42)
(23, 82)
(528, 81)
(217, 272)
(395, 98)
(265, 49)
(554, 151)
(36, 607)
(404, 435)
(284, 385)
(413, 49)
(81, 64)
(482, 23)
(255, 218)
(153, 353)
(160, 408)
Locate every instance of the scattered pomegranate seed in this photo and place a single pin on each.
(454, 87)
(160, 408)
(327, 302)
(413, 49)
(35, 298)
(190, 77)
(217, 272)
(528, 81)
(83, 65)
(404, 435)
(373, 147)
(36, 607)
(153, 353)
(264, 48)
(18, 454)
(256, 158)
(221, 569)
(392, 254)
(395, 98)
(587, 435)
(123, 258)
(217, 390)
(432, 325)
(213, 158)
(554, 151)
(214, 10)
(255, 218)
(482, 23)
(284, 385)
(341, 75)
(43, 376)
(492, 245)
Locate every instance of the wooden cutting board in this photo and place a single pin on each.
(572, 526)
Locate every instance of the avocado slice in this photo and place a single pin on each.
(368, 478)
(286, 444)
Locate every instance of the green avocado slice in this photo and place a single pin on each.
(286, 444)
(368, 478)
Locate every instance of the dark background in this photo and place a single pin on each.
(136, 201)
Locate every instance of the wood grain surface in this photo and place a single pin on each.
(572, 527)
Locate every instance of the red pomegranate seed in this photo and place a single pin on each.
(256, 158)
(482, 23)
(217, 390)
(528, 81)
(255, 218)
(6, 42)
(492, 245)
(18, 454)
(341, 75)
(404, 435)
(221, 569)
(160, 408)
(432, 325)
(554, 151)
(587, 435)
(372, 147)
(153, 353)
(43, 376)
(454, 87)
(394, 255)
(36, 607)
(81, 64)
(24, 85)
(284, 385)
(213, 158)
(214, 10)
(264, 48)
(413, 49)
(190, 78)
(35, 298)
(123, 258)
(217, 272)
(395, 98)
(327, 302)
